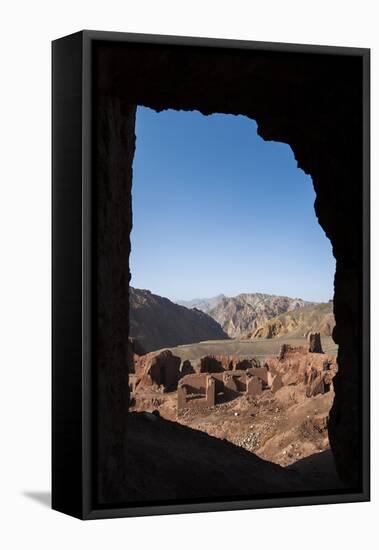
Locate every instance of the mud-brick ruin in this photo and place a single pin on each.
(217, 379)
(211, 380)
(301, 365)
(206, 390)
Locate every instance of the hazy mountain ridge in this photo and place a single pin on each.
(299, 322)
(156, 322)
(204, 304)
(243, 314)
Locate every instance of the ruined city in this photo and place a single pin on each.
(276, 406)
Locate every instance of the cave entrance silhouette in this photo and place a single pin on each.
(314, 104)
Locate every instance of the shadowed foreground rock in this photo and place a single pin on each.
(167, 461)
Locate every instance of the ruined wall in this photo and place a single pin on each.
(313, 103)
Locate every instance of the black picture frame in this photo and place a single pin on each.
(76, 436)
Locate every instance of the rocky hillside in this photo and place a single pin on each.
(317, 318)
(156, 322)
(243, 314)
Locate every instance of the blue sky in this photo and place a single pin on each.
(218, 210)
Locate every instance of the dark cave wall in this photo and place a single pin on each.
(313, 103)
(112, 204)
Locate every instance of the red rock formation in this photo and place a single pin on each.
(157, 370)
(298, 366)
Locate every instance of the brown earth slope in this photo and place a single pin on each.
(260, 348)
(298, 322)
(244, 313)
(157, 322)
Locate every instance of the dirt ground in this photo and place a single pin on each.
(285, 429)
(282, 428)
(168, 461)
(259, 348)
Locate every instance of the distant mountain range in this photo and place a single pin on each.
(204, 304)
(239, 316)
(299, 322)
(157, 323)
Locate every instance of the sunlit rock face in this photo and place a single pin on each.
(300, 322)
(314, 104)
(299, 365)
(240, 316)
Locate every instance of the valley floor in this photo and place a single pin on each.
(282, 428)
(259, 348)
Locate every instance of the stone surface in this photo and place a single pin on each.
(115, 144)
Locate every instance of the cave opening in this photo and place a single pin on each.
(294, 101)
(229, 267)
